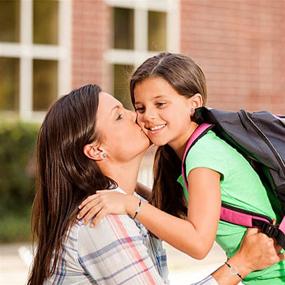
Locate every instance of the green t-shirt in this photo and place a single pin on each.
(240, 187)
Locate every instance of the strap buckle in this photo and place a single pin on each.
(270, 230)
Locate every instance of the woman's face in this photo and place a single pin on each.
(120, 136)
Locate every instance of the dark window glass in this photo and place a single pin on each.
(9, 84)
(156, 31)
(123, 28)
(121, 75)
(9, 20)
(45, 83)
(45, 22)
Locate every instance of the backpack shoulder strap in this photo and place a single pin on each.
(198, 133)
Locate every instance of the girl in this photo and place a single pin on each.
(165, 90)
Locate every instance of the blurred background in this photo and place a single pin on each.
(48, 47)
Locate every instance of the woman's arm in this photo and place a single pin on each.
(194, 235)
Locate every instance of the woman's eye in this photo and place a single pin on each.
(119, 117)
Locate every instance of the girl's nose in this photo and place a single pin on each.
(148, 115)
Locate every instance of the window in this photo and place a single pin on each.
(34, 55)
(156, 31)
(140, 29)
(44, 83)
(123, 28)
(45, 22)
(121, 75)
(9, 20)
(9, 84)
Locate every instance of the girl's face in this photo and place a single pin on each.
(120, 136)
(162, 113)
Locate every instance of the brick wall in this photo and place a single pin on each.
(90, 38)
(240, 45)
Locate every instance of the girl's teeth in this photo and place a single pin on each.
(157, 128)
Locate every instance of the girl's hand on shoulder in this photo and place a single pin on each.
(103, 203)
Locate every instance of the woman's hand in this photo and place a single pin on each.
(257, 252)
(104, 202)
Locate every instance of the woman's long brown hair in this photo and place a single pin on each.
(65, 176)
(186, 77)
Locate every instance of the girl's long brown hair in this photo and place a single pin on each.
(65, 176)
(187, 78)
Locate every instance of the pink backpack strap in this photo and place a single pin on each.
(241, 217)
(282, 225)
(249, 219)
(199, 131)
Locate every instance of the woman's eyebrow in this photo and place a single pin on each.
(115, 108)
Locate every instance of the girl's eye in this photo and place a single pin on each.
(139, 109)
(160, 104)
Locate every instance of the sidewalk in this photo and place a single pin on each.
(185, 270)
(14, 259)
(13, 270)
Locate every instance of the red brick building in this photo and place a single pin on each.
(49, 47)
(239, 44)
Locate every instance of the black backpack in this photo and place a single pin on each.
(260, 138)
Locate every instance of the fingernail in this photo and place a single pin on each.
(78, 216)
(79, 207)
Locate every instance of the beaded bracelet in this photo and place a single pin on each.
(138, 209)
(233, 270)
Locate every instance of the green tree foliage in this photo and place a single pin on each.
(17, 164)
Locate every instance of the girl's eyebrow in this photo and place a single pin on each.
(154, 98)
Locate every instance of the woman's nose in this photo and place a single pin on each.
(133, 115)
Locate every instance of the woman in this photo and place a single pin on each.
(87, 142)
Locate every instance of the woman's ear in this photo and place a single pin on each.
(94, 152)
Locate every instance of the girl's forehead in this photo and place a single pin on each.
(153, 88)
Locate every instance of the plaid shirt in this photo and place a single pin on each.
(117, 251)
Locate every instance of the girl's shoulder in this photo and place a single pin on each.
(210, 142)
(212, 152)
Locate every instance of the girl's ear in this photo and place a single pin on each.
(94, 152)
(196, 101)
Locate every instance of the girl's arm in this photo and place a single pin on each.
(194, 235)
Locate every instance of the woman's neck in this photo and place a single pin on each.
(125, 174)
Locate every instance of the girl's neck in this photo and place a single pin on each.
(179, 145)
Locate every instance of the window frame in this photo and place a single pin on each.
(26, 51)
(140, 52)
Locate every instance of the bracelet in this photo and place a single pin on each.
(138, 209)
(233, 270)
